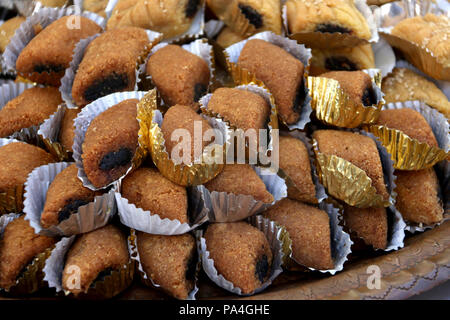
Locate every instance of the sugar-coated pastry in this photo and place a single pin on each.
(240, 179)
(109, 64)
(241, 254)
(357, 85)
(8, 29)
(309, 230)
(183, 117)
(18, 159)
(227, 37)
(30, 108)
(67, 129)
(170, 17)
(169, 261)
(281, 72)
(96, 6)
(18, 247)
(342, 59)
(406, 85)
(430, 31)
(417, 196)
(326, 16)
(46, 57)
(149, 190)
(294, 161)
(180, 76)
(410, 122)
(357, 149)
(95, 253)
(370, 224)
(65, 195)
(110, 143)
(262, 15)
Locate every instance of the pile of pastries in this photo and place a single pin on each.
(352, 155)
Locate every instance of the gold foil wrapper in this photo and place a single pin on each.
(345, 181)
(11, 200)
(407, 153)
(32, 279)
(334, 107)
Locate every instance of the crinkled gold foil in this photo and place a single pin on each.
(420, 57)
(32, 279)
(182, 174)
(345, 181)
(11, 200)
(144, 116)
(333, 106)
(407, 153)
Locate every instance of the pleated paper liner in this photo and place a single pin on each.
(88, 217)
(77, 58)
(106, 288)
(328, 40)
(273, 233)
(11, 199)
(26, 32)
(31, 277)
(232, 151)
(229, 207)
(242, 76)
(293, 191)
(408, 153)
(420, 56)
(94, 109)
(345, 181)
(145, 278)
(334, 106)
(49, 132)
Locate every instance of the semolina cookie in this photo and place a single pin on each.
(8, 29)
(228, 37)
(96, 6)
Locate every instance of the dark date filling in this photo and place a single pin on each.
(113, 83)
(199, 91)
(331, 28)
(340, 64)
(191, 8)
(116, 159)
(262, 268)
(102, 275)
(70, 208)
(252, 15)
(49, 68)
(369, 98)
(299, 97)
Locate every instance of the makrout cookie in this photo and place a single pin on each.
(240, 179)
(294, 161)
(149, 190)
(65, 195)
(410, 122)
(262, 15)
(170, 17)
(370, 224)
(96, 6)
(356, 84)
(180, 76)
(227, 37)
(48, 54)
(281, 72)
(360, 150)
(109, 64)
(67, 129)
(417, 196)
(331, 16)
(110, 143)
(170, 261)
(309, 231)
(7, 30)
(30, 108)
(406, 85)
(18, 247)
(18, 159)
(184, 117)
(96, 254)
(241, 254)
